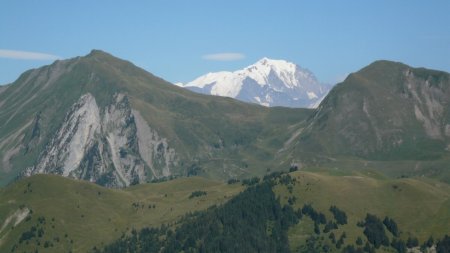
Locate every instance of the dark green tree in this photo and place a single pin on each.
(443, 246)
(374, 231)
(332, 238)
(412, 242)
(359, 241)
(399, 245)
(391, 225)
(339, 215)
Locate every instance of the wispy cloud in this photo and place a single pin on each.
(224, 57)
(25, 55)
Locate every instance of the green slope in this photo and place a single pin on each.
(385, 111)
(92, 215)
(421, 207)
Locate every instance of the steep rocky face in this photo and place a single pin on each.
(385, 111)
(431, 99)
(112, 146)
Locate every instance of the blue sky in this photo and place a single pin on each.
(172, 38)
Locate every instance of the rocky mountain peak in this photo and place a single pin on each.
(267, 82)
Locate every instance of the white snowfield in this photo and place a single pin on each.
(268, 82)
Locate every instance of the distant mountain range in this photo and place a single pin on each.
(268, 82)
(102, 119)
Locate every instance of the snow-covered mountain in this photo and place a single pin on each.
(268, 82)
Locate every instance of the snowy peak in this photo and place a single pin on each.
(278, 66)
(267, 82)
(290, 73)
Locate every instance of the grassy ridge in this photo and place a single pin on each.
(421, 207)
(92, 215)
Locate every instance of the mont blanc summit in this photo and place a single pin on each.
(267, 82)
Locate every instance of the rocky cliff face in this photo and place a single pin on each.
(112, 146)
(430, 98)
